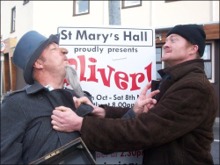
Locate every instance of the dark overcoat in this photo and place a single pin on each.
(26, 130)
(177, 131)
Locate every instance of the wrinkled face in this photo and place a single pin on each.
(53, 59)
(177, 50)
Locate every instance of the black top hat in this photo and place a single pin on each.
(28, 50)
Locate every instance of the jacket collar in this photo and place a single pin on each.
(36, 87)
(178, 71)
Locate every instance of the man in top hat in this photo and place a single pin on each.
(26, 130)
(178, 129)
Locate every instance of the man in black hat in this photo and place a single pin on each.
(26, 130)
(178, 129)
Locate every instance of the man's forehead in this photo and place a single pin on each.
(52, 44)
(173, 35)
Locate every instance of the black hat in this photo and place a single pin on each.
(193, 33)
(28, 50)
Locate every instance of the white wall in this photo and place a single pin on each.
(181, 12)
(215, 11)
(46, 16)
(137, 16)
(23, 18)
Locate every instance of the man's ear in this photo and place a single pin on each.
(38, 64)
(195, 49)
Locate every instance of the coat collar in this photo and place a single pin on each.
(178, 71)
(36, 87)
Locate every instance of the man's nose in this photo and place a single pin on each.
(166, 45)
(64, 51)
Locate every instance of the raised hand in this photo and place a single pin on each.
(145, 101)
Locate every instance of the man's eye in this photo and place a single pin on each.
(54, 49)
(172, 39)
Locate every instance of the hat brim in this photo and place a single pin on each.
(29, 67)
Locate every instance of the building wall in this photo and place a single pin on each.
(181, 12)
(60, 13)
(46, 16)
(137, 16)
(24, 18)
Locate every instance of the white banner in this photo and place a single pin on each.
(113, 65)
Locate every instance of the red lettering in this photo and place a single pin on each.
(82, 67)
(121, 79)
(136, 78)
(92, 71)
(149, 69)
(106, 81)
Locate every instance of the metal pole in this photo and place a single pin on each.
(114, 12)
(2, 73)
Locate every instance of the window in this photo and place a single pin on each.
(208, 58)
(13, 14)
(25, 2)
(80, 7)
(129, 3)
(158, 61)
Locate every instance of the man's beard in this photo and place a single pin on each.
(72, 79)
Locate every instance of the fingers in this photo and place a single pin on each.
(81, 100)
(58, 114)
(153, 93)
(98, 111)
(144, 91)
(56, 117)
(57, 128)
(76, 101)
(62, 109)
(56, 122)
(149, 101)
(60, 118)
